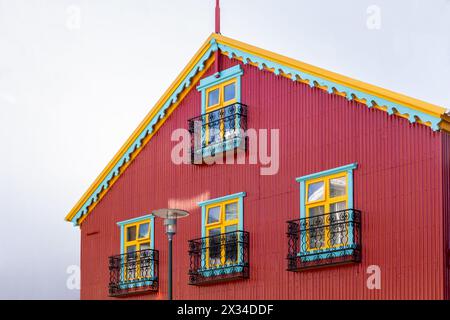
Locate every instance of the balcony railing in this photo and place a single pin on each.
(218, 131)
(219, 257)
(133, 273)
(323, 240)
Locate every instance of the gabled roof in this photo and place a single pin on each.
(373, 96)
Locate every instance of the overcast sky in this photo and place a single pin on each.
(77, 77)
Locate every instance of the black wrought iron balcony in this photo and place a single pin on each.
(219, 257)
(218, 131)
(133, 273)
(324, 240)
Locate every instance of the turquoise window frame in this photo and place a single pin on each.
(122, 225)
(234, 72)
(237, 196)
(322, 253)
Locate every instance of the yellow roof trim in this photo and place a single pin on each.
(334, 77)
(141, 127)
(397, 98)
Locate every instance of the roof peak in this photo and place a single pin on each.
(334, 83)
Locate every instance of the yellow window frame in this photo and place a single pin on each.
(326, 202)
(221, 104)
(138, 242)
(222, 224)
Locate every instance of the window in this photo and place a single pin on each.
(222, 253)
(222, 114)
(221, 120)
(221, 95)
(222, 220)
(326, 203)
(326, 195)
(137, 249)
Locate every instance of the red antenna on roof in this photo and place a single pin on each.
(217, 16)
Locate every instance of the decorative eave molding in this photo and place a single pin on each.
(414, 110)
(331, 87)
(148, 129)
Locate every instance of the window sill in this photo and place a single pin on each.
(206, 276)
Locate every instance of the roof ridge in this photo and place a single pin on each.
(393, 103)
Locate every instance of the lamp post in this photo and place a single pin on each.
(170, 217)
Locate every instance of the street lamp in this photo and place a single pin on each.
(170, 217)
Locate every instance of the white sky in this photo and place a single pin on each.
(70, 97)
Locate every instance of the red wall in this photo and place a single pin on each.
(446, 204)
(397, 187)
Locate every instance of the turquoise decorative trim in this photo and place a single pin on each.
(351, 94)
(240, 196)
(222, 199)
(325, 253)
(322, 253)
(122, 225)
(221, 77)
(234, 72)
(148, 130)
(209, 272)
(134, 220)
(325, 173)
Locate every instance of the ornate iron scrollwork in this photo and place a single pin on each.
(329, 239)
(219, 257)
(134, 272)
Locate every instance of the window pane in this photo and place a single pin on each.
(213, 97)
(338, 224)
(230, 92)
(316, 227)
(131, 249)
(316, 191)
(231, 211)
(231, 245)
(338, 206)
(338, 187)
(144, 230)
(145, 261)
(131, 233)
(214, 247)
(231, 228)
(213, 215)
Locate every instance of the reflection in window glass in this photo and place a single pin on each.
(213, 215)
(338, 206)
(131, 233)
(338, 187)
(316, 191)
(145, 246)
(338, 228)
(316, 227)
(213, 97)
(230, 92)
(214, 247)
(231, 248)
(131, 249)
(144, 230)
(231, 211)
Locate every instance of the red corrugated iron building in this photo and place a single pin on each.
(355, 206)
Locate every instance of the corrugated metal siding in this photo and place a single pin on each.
(396, 187)
(446, 207)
